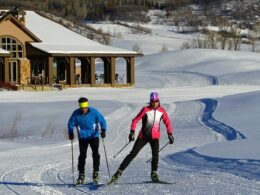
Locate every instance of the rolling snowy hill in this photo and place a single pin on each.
(212, 98)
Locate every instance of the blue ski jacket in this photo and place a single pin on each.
(88, 125)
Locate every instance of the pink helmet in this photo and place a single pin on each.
(154, 96)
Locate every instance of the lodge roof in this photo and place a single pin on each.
(56, 39)
(8, 16)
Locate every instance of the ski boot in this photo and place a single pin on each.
(95, 176)
(81, 179)
(115, 177)
(154, 176)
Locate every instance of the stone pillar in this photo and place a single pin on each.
(6, 70)
(50, 70)
(72, 71)
(88, 70)
(107, 70)
(83, 73)
(85, 70)
(112, 70)
(25, 69)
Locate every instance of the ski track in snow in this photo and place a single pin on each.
(248, 169)
(189, 168)
(207, 118)
(29, 179)
(213, 79)
(168, 79)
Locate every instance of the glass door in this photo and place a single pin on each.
(14, 72)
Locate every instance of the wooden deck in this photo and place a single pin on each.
(61, 86)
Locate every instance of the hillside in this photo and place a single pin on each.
(212, 100)
(192, 12)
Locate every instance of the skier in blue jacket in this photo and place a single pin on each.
(88, 122)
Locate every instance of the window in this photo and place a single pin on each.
(16, 49)
(13, 46)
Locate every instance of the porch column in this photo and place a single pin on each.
(72, 71)
(6, 70)
(130, 70)
(50, 70)
(92, 71)
(88, 70)
(113, 70)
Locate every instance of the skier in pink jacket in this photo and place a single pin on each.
(151, 116)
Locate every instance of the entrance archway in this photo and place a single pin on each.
(60, 70)
(121, 70)
(100, 71)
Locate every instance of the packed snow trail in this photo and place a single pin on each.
(53, 175)
(245, 168)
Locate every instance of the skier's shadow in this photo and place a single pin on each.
(146, 182)
(35, 184)
(90, 186)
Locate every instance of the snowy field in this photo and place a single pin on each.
(212, 98)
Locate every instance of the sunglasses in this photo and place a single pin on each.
(84, 108)
(155, 101)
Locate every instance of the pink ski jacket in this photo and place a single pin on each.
(151, 122)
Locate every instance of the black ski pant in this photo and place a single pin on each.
(139, 144)
(83, 147)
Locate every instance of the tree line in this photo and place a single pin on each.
(83, 9)
(99, 9)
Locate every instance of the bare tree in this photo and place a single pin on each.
(199, 42)
(107, 38)
(254, 35)
(230, 44)
(186, 45)
(236, 37)
(212, 40)
(137, 48)
(13, 128)
(164, 48)
(224, 26)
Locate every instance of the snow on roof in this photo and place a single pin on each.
(79, 49)
(58, 39)
(2, 51)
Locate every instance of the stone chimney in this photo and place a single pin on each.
(18, 14)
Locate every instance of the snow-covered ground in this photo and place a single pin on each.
(212, 98)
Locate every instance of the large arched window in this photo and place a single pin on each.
(16, 49)
(12, 45)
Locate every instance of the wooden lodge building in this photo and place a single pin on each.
(37, 51)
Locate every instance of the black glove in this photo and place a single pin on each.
(71, 136)
(171, 139)
(131, 136)
(103, 133)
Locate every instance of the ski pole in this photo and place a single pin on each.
(121, 150)
(159, 151)
(106, 157)
(72, 159)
